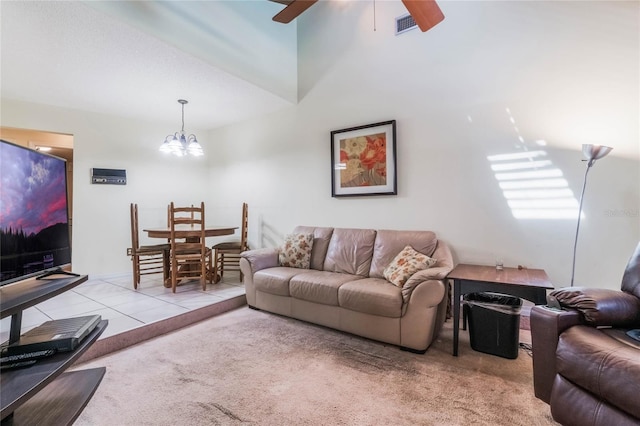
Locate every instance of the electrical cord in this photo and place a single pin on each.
(527, 348)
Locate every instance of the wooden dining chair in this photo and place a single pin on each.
(227, 255)
(147, 259)
(190, 256)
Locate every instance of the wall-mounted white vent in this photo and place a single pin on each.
(405, 23)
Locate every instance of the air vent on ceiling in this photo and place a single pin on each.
(405, 23)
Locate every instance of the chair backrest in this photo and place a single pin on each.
(169, 220)
(135, 242)
(245, 227)
(631, 277)
(187, 218)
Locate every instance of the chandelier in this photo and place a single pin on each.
(179, 144)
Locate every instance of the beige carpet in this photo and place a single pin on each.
(257, 368)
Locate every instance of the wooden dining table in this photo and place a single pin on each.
(190, 233)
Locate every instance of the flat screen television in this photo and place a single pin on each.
(34, 216)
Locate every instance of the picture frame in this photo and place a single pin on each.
(363, 160)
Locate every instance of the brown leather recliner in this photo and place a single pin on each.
(585, 365)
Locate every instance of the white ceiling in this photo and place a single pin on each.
(120, 58)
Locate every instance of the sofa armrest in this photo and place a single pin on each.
(601, 307)
(441, 269)
(437, 273)
(261, 258)
(428, 293)
(546, 326)
(443, 255)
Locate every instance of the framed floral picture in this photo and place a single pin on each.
(363, 160)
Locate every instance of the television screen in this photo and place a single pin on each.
(34, 219)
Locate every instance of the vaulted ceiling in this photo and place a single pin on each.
(136, 59)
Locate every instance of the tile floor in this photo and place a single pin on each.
(115, 299)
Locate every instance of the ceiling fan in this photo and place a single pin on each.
(426, 13)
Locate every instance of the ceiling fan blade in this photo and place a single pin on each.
(426, 13)
(291, 12)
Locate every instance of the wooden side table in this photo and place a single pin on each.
(530, 284)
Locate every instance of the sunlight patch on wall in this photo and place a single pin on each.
(533, 187)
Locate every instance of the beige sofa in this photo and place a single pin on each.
(345, 288)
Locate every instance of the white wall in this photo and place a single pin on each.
(565, 72)
(101, 226)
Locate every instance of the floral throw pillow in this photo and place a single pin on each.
(296, 251)
(405, 264)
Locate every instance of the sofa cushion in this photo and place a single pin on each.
(296, 251)
(318, 286)
(350, 251)
(405, 264)
(321, 238)
(275, 280)
(389, 243)
(608, 367)
(374, 296)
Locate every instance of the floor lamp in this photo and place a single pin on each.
(591, 153)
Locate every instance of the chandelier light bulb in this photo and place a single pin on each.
(178, 144)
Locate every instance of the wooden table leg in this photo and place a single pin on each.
(456, 315)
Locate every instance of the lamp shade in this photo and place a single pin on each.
(595, 152)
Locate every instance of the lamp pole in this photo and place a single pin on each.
(591, 153)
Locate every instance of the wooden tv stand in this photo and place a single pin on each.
(43, 393)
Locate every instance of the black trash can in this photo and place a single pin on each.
(494, 323)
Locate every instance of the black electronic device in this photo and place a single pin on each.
(61, 335)
(17, 364)
(27, 356)
(109, 176)
(34, 224)
(553, 303)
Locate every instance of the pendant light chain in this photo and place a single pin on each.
(374, 15)
(182, 118)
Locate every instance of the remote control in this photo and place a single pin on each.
(27, 356)
(19, 364)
